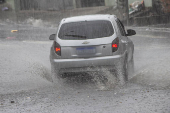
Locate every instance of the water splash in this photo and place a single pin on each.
(104, 79)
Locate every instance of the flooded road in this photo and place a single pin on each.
(25, 81)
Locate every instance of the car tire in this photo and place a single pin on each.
(56, 77)
(122, 72)
(131, 67)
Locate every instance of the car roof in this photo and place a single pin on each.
(88, 18)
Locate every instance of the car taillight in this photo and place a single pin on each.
(57, 48)
(115, 44)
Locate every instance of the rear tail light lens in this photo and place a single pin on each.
(57, 48)
(115, 45)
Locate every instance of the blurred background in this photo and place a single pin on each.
(131, 12)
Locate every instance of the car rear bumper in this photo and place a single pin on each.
(86, 64)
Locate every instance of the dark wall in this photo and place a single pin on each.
(150, 20)
(46, 4)
(89, 3)
(59, 4)
(2, 1)
(29, 5)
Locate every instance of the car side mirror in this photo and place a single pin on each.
(52, 37)
(130, 32)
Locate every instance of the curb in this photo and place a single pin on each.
(162, 32)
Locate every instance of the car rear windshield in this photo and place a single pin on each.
(86, 30)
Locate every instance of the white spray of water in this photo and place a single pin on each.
(35, 22)
(30, 21)
(104, 79)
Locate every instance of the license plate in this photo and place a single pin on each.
(85, 50)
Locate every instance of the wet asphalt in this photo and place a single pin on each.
(26, 86)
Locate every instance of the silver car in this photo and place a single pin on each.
(90, 43)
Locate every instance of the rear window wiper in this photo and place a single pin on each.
(76, 36)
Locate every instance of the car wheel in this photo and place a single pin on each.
(56, 77)
(122, 72)
(131, 67)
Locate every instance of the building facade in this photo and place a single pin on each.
(93, 3)
(65, 4)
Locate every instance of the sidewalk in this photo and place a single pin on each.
(151, 28)
(155, 30)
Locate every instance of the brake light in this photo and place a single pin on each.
(57, 48)
(115, 44)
